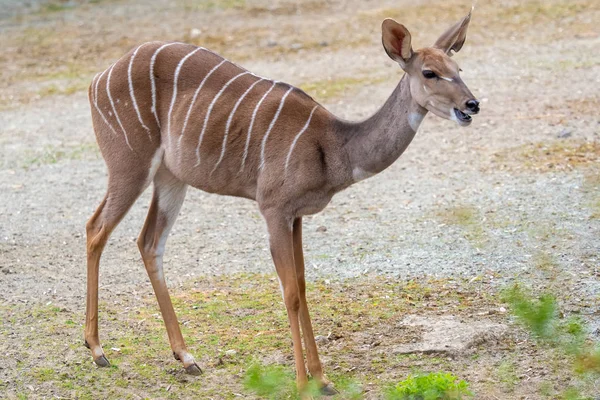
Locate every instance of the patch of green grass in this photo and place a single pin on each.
(338, 87)
(202, 5)
(53, 155)
(469, 219)
(507, 376)
(245, 313)
(558, 155)
(43, 374)
(545, 262)
(432, 386)
(540, 315)
(272, 382)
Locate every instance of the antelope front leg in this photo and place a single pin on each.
(282, 250)
(312, 355)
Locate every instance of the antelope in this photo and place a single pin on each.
(177, 115)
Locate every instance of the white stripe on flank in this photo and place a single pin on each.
(112, 103)
(93, 86)
(230, 119)
(132, 93)
(96, 103)
(210, 107)
(152, 80)
(177, 71)
(271, 125)
(187, 116)
(287, 160)
(252, 124)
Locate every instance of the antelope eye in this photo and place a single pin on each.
(428, 74)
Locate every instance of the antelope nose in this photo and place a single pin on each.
(473, 106)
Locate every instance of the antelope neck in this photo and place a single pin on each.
(374, 144)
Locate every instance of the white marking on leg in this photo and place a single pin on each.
(230, 119)
(170, 198)
(155, 163)
(304, 128)
(177, 71)
(132, 92)
(207, 116)
(252, 124)
(271, 125)
(152, 79)
(112, 103)
(187, 116)
(415, 119)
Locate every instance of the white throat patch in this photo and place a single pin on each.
(359, 174)
(415, 119)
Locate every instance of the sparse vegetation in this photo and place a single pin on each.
(567, 336)
(337, 87)
(551, 156)
(433, 386)
(468, 218)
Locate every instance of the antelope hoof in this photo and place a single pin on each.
(193, 369)
(329, 390)
(102, 361)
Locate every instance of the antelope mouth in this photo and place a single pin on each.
(462, 118)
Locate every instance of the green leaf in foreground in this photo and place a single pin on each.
(433, 386)
(275, 382)
(538, 315)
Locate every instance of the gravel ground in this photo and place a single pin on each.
(514, 197)
(475, 202)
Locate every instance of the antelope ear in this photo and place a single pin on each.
(396, 41)
(454, 38)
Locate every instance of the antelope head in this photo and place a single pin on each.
(434, 77)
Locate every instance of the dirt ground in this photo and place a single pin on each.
(465, 211)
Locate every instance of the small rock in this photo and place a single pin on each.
(296, 46)
(321, 339)
(324, 43)
(230, 353)
(272, 43)
(195, 33)
(565, 133)
(321, 229)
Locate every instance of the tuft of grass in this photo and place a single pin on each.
(537, 315)
(53, 154)
(433, 386)
(275, 382)
(558, 155)
(468, 218)
(507, 375)
(545, 262)
(540, 316)
(338, 87)
(203, 5)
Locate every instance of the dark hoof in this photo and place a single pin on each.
(102, 361)
(193, 369)
(329, 390)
